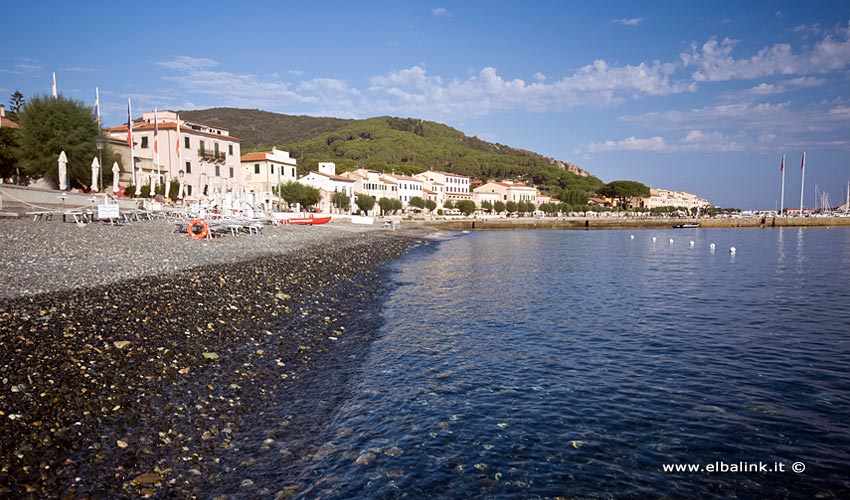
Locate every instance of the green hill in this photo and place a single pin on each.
(259, 129)
(390, 144)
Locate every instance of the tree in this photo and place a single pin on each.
(467, 207)
(295, 192)
(9, 152)
(623, 190)
(487, 205)
(417, 202)
(430, 205)
(395, 205)
(448, 204)
(386, 205)
(341, 201)
(364, 202)
(16, 104)
(50, 126)
(511, 206)
(499, 206)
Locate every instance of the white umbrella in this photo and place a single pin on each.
(63, 171)
(167, 187)
(95, 171)
(153, 183)
(180, 189)
(138, 182)
(116, 173)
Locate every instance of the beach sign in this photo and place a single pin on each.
(107, 212)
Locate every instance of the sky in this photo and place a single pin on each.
(704, 97)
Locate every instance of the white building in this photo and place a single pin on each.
(372, 183)
(263, 171)
(206, 158)
(667, 198)
(408, 187)
(508, 191)
(329, 183)
(454, 187)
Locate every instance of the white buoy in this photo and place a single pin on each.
(732, 250)
(711, 247)
(653, 239)
(691, 244)
(631, 236)
(671, 241)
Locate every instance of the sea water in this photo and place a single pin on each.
(590, 364)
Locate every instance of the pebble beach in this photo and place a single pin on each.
(137, 362)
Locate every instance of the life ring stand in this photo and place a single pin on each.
(198, 229)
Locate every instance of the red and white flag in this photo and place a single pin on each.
(129, 127)
(177, 148)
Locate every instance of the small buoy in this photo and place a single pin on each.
(711, 247)
(671, 241)
(691, 243)
(653, 239)
(631, 236)
(732, 250)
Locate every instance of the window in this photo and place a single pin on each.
(230, 149)
(256, 168)
(293, 172)
(272, 168)
(231, 171)
(188, 167)
(186, 143)
(188, 189)
(218, 170)
(215, 145)
(202, 147)
(144, 142)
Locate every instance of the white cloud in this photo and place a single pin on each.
(440, 11)
(295, 72)
(540, 77)
(629, 144)
(715, 61)
(186, 63)
(627, 21)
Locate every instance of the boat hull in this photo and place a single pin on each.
(306, 221)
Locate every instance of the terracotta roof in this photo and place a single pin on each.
(255, 156)
(145, 127)
(428, 191)
(5, 122)
(334, 177)
(405, 178)
(388, 181)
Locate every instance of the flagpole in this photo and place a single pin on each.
(802, 182)
(782, 196)
(156, 147)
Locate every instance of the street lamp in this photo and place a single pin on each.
(101, 142)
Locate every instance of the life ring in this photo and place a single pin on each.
(198, 233)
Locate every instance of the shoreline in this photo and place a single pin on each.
(187, 384)
(593, 223)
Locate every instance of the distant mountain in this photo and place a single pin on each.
(390, 144)
(259, 129)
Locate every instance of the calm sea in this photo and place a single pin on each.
(532, 364)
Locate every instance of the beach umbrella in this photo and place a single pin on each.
(63, 171)
(138, 181)
(95, 171)
(180, 188)
(167, 187)
(152, 183)
(116, 173)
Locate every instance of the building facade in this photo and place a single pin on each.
(263, 171)
(508, 191)
(205, 158)
(328, 183)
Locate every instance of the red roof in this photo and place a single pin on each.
(145, 126)
(255, 156)
(334, 177)
(5, 122)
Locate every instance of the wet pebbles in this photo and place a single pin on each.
(177, 380)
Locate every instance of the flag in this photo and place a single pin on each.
(803, 165)
(129, 127)
(177, 148)
(155, 132)
(54, 85)
(782, 167)
(97, 105)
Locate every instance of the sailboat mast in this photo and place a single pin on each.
(782, 196)
(802, 182)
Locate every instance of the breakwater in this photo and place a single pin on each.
(633, 223)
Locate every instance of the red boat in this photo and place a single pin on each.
(310, 220)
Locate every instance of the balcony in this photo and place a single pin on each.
(211, 156)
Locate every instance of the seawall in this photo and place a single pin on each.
(630, 223)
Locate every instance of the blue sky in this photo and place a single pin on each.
(696, 96)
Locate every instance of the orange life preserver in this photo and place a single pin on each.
(198, 234)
